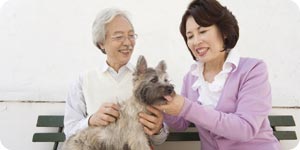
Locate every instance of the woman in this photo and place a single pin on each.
(227, 97)
(92, 100)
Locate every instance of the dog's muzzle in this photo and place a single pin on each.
(169, 89)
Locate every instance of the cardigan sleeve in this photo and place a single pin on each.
(253, 104)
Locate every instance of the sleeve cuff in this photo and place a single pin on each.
(161, 136)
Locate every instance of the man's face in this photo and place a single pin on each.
(119, 41)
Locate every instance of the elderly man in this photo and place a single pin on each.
(92, 100)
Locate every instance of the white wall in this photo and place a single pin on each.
(45, 44)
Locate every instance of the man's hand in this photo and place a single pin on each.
(106, 114)
(152, 123)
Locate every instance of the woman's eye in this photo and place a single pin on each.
(189, 37)
(203, 31)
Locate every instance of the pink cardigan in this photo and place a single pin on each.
(240, 119)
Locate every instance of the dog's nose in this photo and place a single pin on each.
(169, 89)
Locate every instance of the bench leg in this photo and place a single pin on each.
(60, 129)
(55, 146)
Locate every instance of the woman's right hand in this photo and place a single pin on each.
(173, 106)
(106, 114)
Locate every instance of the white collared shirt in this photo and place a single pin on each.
(209, 93)
(118, 76)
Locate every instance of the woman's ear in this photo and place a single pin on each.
(224, 37)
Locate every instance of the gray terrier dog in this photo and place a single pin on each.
(149, 87)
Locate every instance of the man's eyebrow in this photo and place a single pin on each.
(118, 32)
(121, 32)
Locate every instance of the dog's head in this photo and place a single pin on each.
(151, 84)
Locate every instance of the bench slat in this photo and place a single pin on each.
(183, 136)
(50, 121)
(193, 136)
(285, 135)
(57, 121)
(282, 121)
(48, 137)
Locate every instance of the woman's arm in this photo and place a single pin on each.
(253, 105)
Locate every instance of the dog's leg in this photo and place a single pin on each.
(86, 139)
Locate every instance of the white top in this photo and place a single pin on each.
(100, 87)
(76, 112)
(211, 92)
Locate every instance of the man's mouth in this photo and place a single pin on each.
(125, 51)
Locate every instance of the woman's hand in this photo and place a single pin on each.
(173, 106)
(152, 123)
(106, 114)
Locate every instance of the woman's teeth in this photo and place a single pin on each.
(201, 51)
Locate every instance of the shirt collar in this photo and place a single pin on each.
(231, 62)
(106, 67)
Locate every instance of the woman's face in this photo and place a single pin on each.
(119, 41)
(206, 43)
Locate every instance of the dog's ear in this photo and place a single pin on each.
(161, 66)
(141, 65)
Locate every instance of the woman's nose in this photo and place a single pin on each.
(197, 40)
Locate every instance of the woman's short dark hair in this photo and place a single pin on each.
(211, 12)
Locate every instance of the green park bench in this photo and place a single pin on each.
(59, 136)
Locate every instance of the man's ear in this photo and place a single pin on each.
(100, 45)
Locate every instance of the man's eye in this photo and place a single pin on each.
(119, 37)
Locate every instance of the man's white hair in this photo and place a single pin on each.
(103, 18)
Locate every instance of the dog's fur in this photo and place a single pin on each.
(149, 87)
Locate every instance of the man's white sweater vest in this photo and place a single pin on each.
(100, 87)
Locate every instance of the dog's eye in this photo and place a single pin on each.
(154, 80)
(166, 80)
